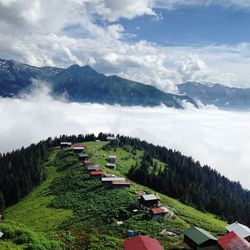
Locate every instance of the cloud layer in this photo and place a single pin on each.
(217, 138)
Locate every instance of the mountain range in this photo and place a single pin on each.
(84, 84)
(219, 95)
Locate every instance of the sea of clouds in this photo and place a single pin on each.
(218, 138)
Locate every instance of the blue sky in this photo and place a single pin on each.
(192, 25)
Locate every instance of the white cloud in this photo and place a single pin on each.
(218, 138)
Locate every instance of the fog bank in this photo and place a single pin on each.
(218, 138)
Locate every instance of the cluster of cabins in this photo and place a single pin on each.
(236, 238)
(95, 171)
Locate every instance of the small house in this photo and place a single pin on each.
(65, 144)
(241, 230)
(78, 148)
(93, 168)
(141, 243)
(88, 163)
(83, 157)
(149, 201)
(121, 184)
(111, 138)
(197, 238)
(111, 165)
(157, 212)
(233, 241)
(112, 159)
(107, 181)
(96, 174)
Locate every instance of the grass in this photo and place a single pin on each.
(34, 211)
(70, 207)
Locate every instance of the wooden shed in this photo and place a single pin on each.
(148, 201)
(121, 184)
(96, 174)
(83, 157)
(112, 159)
(65, 144)
(158, 212)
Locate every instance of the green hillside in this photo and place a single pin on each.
(71, 211)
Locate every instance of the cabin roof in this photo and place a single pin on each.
(110, 164)
(79, 145)
(242, 230)
(112, 157)
(198, 235)
(83, 155)
(96, 172)
(121, 182)
(142, 243)
(159, 210)
(65, 143)
(150, 197)
(93, 167)
(113, 179)
(232, 241)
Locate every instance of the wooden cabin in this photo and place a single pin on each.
(233, 241)
(107, 181)
(121, 184)
(65, 144)
(141, 243)
(78, 148)
(240, 229)
(111, 165)
(148, 201)
(157, 212)
(83, 157)
(96, 174)
(112, 159)
(199, 239)
(111, 138)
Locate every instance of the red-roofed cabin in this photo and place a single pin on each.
(141, 243)
(96, 174)
(232, 241)
(158, 212)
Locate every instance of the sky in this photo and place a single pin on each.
(214, 137)
(158, 42)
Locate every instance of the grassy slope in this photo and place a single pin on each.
(92, 205)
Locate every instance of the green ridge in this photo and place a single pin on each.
(70, 207)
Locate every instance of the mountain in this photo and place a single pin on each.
(217, 94)
(84, 84)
